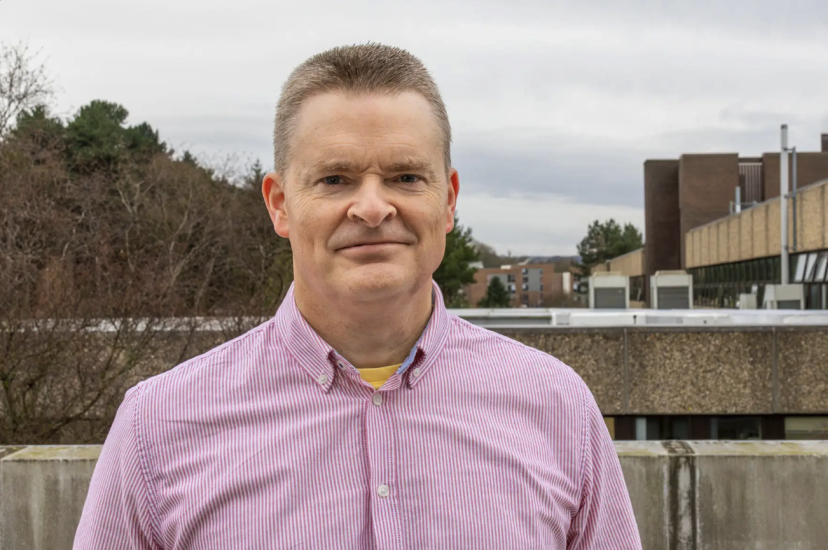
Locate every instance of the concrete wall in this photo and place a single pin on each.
(715, 370)
(42, 491)
(755, 233)
(711, 495)
(728, 495)
(631, 264)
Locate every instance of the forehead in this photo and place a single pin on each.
(371, 128)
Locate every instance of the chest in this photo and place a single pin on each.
(367, 475)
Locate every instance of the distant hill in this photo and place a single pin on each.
(491, 258)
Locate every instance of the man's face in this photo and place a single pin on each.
(366, 200)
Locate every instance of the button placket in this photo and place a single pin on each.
(380, 448)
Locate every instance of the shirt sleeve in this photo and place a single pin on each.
(605, 516)
(117, 511)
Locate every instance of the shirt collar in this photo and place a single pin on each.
(318, 359)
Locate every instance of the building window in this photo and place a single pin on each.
(736, 427)
(524, 298)
(799, 272)
(512, 289)
(806, 427)
(510, 278)
(525, 287)
(810, 267)
(822, 263)
(654, 428)
(524, 271)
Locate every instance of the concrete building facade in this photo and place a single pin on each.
(697, 189)
(693, 222)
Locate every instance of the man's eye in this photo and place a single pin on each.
(332, 180)
(409, 178)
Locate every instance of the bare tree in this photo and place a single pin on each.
(24, 84)
(111, 277)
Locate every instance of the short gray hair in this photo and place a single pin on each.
(359, 69)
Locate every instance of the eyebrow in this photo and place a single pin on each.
(341, 166)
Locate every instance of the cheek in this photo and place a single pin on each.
(312, 222)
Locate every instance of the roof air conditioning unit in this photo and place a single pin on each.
(671, 290)
(609, 290)
(747, 301)
(784, 297)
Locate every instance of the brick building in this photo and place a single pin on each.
(529, 285)
(692, 222)
(696, 189)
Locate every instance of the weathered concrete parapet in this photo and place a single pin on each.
(42, 491)
(763, 494)
(687, 495)
(728, 495)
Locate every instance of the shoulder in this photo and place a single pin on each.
(490, 361)
(507, 352)
(212, 368)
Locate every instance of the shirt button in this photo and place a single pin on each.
(383, 490)
(377, 400)
(416, 372)
(323, 379)
(341, 365)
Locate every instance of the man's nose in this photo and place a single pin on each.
(371, 205)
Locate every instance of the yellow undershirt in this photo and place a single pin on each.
(378, 376)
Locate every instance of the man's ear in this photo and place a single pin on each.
(451, 204)
(273, 191)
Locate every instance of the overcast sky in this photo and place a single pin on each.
(554, 106)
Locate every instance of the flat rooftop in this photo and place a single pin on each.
(556, 317)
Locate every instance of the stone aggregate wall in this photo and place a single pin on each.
(694, 370)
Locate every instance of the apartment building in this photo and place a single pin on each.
(529, 284)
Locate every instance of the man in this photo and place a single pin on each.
(362, 415)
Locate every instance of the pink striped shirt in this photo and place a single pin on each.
(273, 440)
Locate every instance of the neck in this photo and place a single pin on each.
(368, 334)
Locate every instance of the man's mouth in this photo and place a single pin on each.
(367, 245)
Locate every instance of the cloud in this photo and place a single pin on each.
(535, 225)
(555, 106)
(530, 163)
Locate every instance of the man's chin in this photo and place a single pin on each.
(378, 281)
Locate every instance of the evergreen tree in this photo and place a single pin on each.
(496, 295)
(99, 140)
(255, 175)
(605, 241)
(40, 126)
(454, 271)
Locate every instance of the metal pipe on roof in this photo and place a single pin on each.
(793, 196)
(783, 204)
